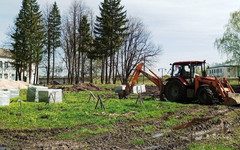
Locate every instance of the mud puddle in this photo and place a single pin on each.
(4, 148)
(157, 135)
(217, 130)
(191, 123)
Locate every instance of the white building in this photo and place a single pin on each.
(223, 70)
(7, 70)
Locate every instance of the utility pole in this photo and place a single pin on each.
(144, 67)
(162, 69)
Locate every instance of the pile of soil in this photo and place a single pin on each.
(11, 84)
(152, 90)
(83, 87)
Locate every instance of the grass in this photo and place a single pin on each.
(137, 142)
(198, 146)
(83, 133)
(76, 111)
(83, 120)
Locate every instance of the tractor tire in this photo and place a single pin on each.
(206, 96)
(175, 91)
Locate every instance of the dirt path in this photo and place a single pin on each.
(215, 122)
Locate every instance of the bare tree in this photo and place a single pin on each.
(70, 42)
(137, 48)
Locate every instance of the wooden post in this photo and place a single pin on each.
(92, 96)
(139, 98)
(101, 103)
(19, 100)
(64, 96)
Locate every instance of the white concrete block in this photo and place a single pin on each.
(4, 98)
(31, 93)
(117, 89)
(13, 92)
(49, 95)
(139, 89)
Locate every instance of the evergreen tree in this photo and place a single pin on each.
(53, 29)
(110, 31)
(28, 38)
(85, 40)
(55, 32)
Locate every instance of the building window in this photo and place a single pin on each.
(5, 76)
(6, 65)
(1, 64)
(228, 69)
(0, 76)
(13, 76)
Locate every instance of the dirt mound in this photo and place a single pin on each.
(11, 84)
(83, 87)
(152, 90)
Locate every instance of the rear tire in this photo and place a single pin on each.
(175, 91)
(206, 96)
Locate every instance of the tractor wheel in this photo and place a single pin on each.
(206, 96)
(175, 91)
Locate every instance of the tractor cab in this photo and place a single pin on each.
(186, 70)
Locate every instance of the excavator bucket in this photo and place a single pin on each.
(232, 99)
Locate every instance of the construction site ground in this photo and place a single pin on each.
(152, 125)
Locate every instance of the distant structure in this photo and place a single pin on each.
(7, 70)
(224, 70)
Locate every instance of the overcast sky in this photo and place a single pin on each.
(186, 29)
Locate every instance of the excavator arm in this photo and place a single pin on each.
(133, 79)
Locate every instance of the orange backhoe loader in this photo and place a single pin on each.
(188, 82)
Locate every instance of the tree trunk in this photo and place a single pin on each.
(110, 70)
(78, 69)
(53, 65)
(30, 72)
(102, 72)
(116, 69)
(90, 73)
(83, 68)
(48, 59)
(36, 74)
(106, 69)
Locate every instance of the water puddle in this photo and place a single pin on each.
(210, 133)
(157, 135)
(199, 135)
(152, 147)
(189, 124)
(4, 148)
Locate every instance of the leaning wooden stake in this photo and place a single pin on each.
(139, 98)
(92, 97)
(101, 103)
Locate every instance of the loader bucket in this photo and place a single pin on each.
(232, 99)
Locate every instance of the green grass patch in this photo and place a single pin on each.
(83, 133)
(198, 146)
(137, 142)
(75, 110)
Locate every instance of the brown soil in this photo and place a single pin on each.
(215, 123)
(82, 87)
